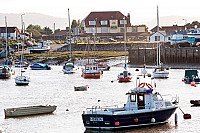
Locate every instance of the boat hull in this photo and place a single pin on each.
(21, 81)
(5, 75)
(189, 80)
(127, 79)
(161, 74)
(91, 75)
(26, 111)
(111, 122)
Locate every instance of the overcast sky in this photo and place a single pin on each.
(79, 9)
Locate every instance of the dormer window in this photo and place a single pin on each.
(104, 22)
(92, 22)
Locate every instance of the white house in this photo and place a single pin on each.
(12, 32)
(159, 37)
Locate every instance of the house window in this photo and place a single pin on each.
(92, 22)
(104, 22)
(92, 30)
(104, 30)
(123, 21)
(157, 38)
(121, 29)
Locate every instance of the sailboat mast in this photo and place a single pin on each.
(6, 40)
(158, 44)
(125, 43)
(70, 36)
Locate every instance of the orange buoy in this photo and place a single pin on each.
(192, 83)
(141, 66)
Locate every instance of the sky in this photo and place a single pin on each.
(79, 9)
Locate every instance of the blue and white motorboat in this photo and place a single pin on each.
(69, 68)
(41, 48)
(143, 107)
(161, 72)
(180, 38)
(40, 66)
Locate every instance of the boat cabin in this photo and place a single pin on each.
(191, 73)
(91, 68)
(125, 74)
(142, 98)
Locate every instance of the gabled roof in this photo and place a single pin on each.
(105, 15)
(10, 29)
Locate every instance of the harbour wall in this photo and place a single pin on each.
(105, 47)
(168, 56)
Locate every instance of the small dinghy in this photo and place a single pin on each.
(195, 102)
(81, 88)
(29, 110)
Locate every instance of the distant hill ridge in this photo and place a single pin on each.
(61, 23)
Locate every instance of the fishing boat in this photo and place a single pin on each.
(102, 65)
(20, 64)
(191, 76)
(69, 67)
(143, 107)
(160, 71)
(30, 110)
(5, 72)
(91, 71)
(40, 66)
(125, 76)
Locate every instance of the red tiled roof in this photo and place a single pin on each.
(61, 33)
(106, 15)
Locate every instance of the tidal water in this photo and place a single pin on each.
(55, 88)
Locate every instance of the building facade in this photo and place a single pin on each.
(12, 33)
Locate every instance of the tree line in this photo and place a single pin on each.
(37, 30)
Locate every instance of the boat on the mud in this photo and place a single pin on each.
(195, 102)
(40, 66)
(125, 76)
(143, 107)
(42, 47)
(191, 76)
(102, 65)
(5, 72)
(29, 110)
(81, 88)
(91, 71)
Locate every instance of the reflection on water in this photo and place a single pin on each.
(55, 88)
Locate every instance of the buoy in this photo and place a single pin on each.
(67, 109)
(136, 69)
(153, 120)
(99, 100)
(116, 123)
(111, 81)
(185, 116)
(141, 66)
(183, 80)
(192, 83)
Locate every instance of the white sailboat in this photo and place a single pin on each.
(21, 79)
(125, 76)
(69, 67)
(160, 71)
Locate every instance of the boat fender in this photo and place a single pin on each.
(136, 120)
(149, 86)
(153, 120)
(116, 123)
(141, 85)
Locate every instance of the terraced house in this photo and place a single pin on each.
(110, 24)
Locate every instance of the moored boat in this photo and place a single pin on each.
(41, 48)
(143, 107)
(102, 65)
(191, 75)
(5, 72)
(30, 110)
(22, 80)
(195, 102)
(125, 76)
(69, 68)
(81, 88)
(40, 66)
(91, 71)
(161, 72)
